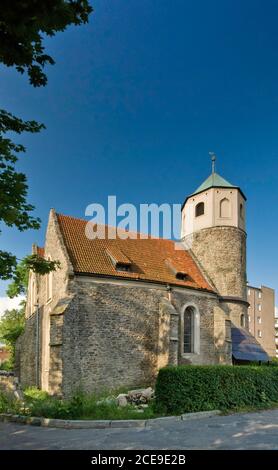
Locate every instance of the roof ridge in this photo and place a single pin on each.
(145, 236)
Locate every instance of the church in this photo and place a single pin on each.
(118, 310)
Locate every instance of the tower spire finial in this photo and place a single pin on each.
(213, 160)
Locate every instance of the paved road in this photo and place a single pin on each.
(240, 431)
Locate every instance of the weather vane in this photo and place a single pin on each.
(213, 159)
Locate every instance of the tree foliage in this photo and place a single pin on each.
(23, 28)
(11, 327)
(24, 25)
(34, 263)
(14, 209)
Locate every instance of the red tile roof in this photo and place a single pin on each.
(149, 257)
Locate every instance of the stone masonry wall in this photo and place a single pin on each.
(120, 335)
(27, 361)
(221, 253)
(110, 337)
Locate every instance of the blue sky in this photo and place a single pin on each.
(136, 101)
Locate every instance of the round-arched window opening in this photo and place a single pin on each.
(242, 320)
(200, 209)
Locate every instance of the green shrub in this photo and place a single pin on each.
(35, 393)
(8, 404)
(80, 406)
(184, 389)
(6, 366)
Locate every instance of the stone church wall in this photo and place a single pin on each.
(110, 337)
(118, 335)
(28, 352)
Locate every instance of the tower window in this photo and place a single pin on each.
(225, 208)
(242, 321)
(241, 212)
(200, 209)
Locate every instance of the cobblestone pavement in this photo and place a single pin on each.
(239, 431)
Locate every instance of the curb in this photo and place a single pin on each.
(102, 424)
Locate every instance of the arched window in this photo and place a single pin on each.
(225, 208)
(191, 333)
(200, 209)
(242, 320)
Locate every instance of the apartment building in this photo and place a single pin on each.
(261, 317)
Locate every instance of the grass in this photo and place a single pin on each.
(80, 406)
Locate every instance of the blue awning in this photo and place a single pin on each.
(245, 347)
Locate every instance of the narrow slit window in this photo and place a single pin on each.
(188, 330)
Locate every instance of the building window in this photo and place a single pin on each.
(249, 292)
(191, 330)
(123, 267)
(259, 333)
(259, 319)
(249, 318)
(260, 307)
(241, 211)
(200, 209)
(242, 320)
(259, 294)
(225, 208)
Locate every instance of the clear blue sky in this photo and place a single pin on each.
(139, 97)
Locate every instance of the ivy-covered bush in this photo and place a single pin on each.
(184, 389)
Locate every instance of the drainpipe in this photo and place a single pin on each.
(37, 345)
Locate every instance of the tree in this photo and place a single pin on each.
(23, 27)
(14, 209)
(11, 327)
(35, 263)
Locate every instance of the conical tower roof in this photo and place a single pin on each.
(214, 181)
